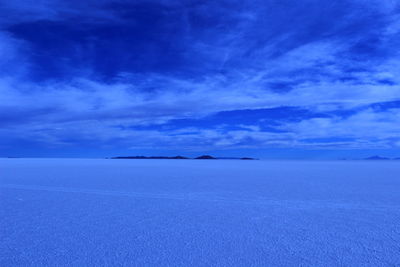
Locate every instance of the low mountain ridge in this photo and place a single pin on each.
(179, 157)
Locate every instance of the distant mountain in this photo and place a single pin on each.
(178, 157)
(377, 158)
(152, 157)
(206, 157)
(244, 158)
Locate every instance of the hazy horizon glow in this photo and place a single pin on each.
(269, 79)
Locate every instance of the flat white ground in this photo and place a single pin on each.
(80, 212)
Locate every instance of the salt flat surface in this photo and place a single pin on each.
(72, 212)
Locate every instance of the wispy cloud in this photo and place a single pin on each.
(74, 72)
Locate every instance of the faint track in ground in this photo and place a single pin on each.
(292, 204)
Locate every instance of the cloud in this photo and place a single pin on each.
(367, 128)
(12, 56)
(22, 11)
(66, 81)
(83, 106)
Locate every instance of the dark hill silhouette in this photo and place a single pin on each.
(179, 157)
(152, 157)
(377, 158)
(206, 157)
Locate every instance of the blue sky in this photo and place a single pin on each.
(271, 78)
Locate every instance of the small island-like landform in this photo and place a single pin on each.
(372, 158)
(180, 157)
(205, 157)
(377, 158)
(151, 157)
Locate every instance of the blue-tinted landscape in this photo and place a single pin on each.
(272, 79)
(199, 133)
(99, 212)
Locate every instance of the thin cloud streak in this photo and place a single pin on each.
(198, 60)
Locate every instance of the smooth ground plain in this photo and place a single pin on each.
(99, 212)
